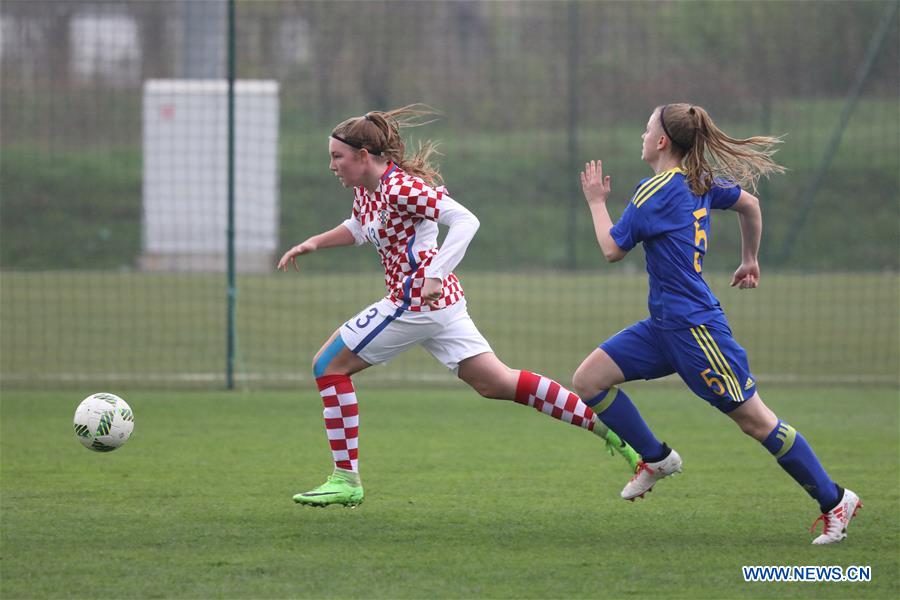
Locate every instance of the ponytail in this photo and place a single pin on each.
(709, 154)
(379, 133)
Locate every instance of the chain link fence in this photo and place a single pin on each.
(113, 215)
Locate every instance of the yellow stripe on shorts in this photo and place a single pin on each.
(716, 366)
(726, 370)
(718, 351)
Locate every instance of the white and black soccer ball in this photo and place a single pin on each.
(103, 422)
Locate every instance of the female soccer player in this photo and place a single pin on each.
(397, 206)
(697, 168)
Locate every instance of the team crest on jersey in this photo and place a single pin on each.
(383, 217)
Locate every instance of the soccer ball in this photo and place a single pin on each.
(103, 422)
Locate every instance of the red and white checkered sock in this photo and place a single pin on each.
(341, 419)
(550, 398)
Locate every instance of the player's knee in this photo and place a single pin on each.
(755, 428)
(329, 365)
(587, 385)
(755, 418)
(324, 360)
(759, 431)
(754, 431)
(487, 388)
(747, 427)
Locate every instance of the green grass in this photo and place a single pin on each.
(465, 497)
(160, 329)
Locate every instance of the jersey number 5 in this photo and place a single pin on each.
(699, 238)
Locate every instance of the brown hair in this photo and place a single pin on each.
(708, 153)
(379, 133)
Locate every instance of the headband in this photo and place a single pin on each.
(355, 145)
(662, 122)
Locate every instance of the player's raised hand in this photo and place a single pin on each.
(291, 255)
(595, 186)
(746, 277)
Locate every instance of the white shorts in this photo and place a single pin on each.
(382, 331)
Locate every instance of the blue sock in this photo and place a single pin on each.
(617, 412)
(796, 457)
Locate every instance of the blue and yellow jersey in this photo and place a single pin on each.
(673, 225)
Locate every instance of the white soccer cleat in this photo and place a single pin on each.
(837, 519)
(648, 474)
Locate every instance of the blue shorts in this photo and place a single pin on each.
(706, 357)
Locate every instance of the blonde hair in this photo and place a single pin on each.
(708, 153)
(379, 133)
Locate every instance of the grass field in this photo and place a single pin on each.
(162, 329)
(465, 498)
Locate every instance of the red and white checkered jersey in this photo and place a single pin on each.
(401, 220)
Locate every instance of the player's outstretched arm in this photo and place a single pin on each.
(596, 190)
(339, 236)
(747, 207)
